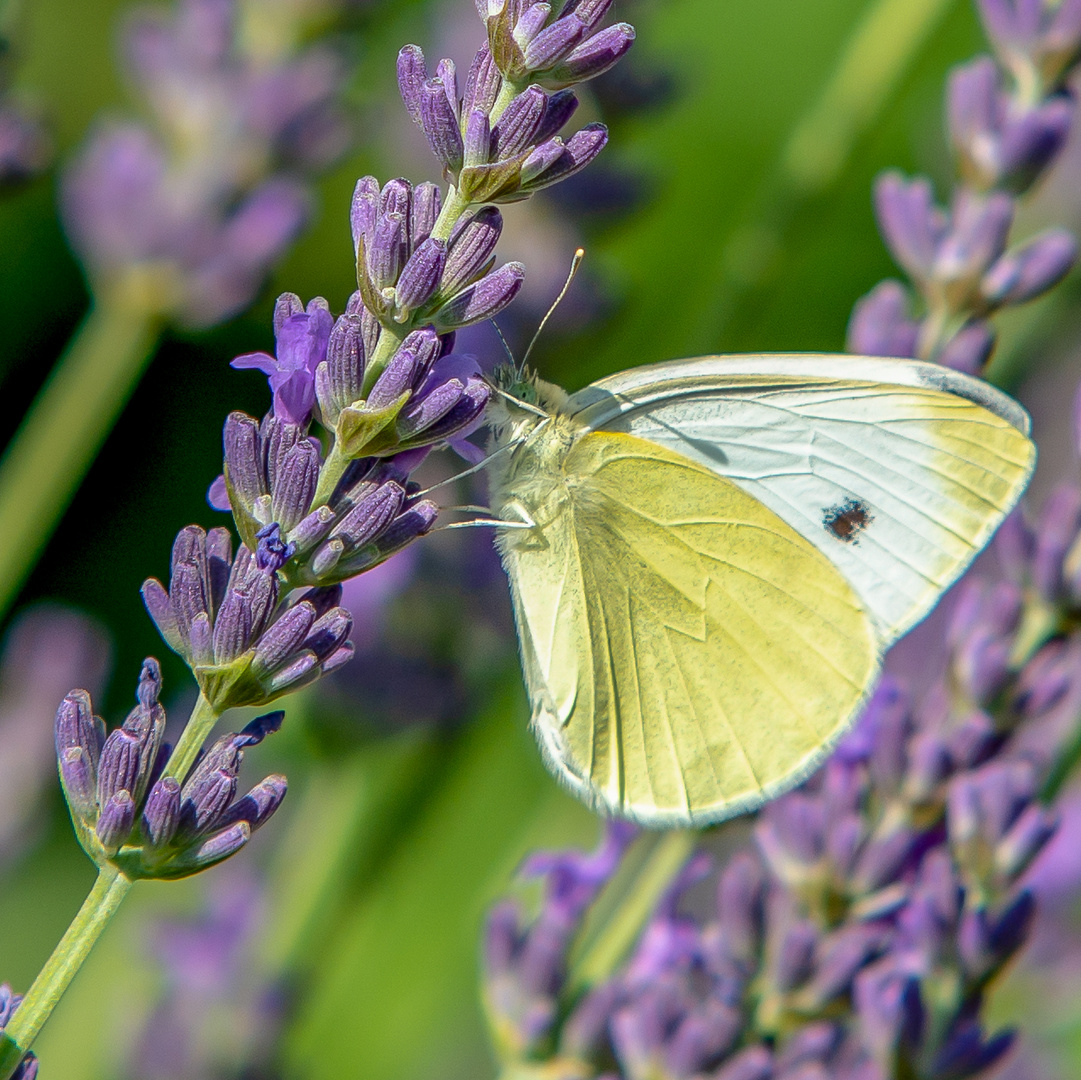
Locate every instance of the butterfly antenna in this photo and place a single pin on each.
(475, 468)
(503, 342)
(576, 262)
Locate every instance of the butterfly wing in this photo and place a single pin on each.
(687, 653)
(898, 471)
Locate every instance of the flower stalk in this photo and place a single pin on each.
(97, 911)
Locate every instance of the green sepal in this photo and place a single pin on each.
(505, 52)
(363, 432)
(246, 525)
(491, 183)
(231, 685)
(171, 863)
(374, 300)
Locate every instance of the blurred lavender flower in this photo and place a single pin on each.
(1005, 134)
(46, 650)
(128, 811)
(25, 145)
(215, 1017)
(9, 1002)
(189, 214)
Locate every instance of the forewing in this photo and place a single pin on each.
(897, 471)
(688, 654)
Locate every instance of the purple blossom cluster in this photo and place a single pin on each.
(130, 811)
(1008, 118)
(381, 381)
(855, 938)
(188, 213)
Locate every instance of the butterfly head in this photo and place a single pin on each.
(521, 401)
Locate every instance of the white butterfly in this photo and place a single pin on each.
(712, 554)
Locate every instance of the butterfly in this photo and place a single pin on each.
(708, 558)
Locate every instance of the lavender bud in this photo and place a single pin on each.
(881, 324)
(201, 641)
(388, 251)
(427, 202)
(582, 147)
(421, 276)
(593, 57)
(553, 43)
(398, 378)
(294, 674)
(160, 609)
(481, 300)
(119, 765)
(371, 515)
(471, 251)
(520, 120)
(284, 637)
(970, 348)
(220, 846)
(344, 366)
(364, 210)
(477, 145)
(482, 84)
(441, 125)
(295, 485)
(412, 75)
(77, 726)
(312, 529)
(259, 804)
(243, 467)
(1031, 270)
(531, 22)
(161, 815)
(326, 557)
(78, 778)
(329, 632)
(114, 825)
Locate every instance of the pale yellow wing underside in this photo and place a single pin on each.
(687, 653)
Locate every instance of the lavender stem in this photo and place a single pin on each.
(94, 916)
(49, 455)
(200, 724)
(602, 956)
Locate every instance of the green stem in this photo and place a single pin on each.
(54, 978)
(332, 471)
(623, 923)
(52, 450)
(450, 214)
(200, 725)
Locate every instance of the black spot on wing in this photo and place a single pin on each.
(847, 520)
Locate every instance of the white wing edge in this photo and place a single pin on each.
(601, 402)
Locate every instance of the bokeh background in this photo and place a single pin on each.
(731, 212)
